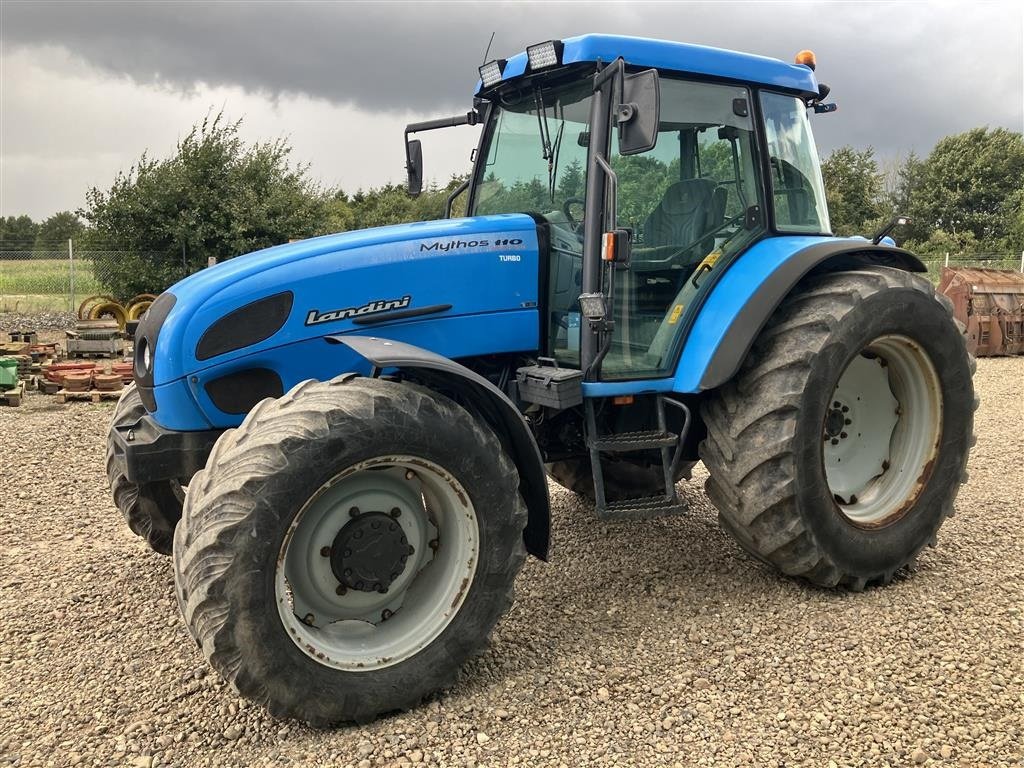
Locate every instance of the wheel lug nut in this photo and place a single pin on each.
(848, 422)
(341, 589)
(382, 589)
(348, 553)
(410, 475)
(412, 550)
(433, 544)
(845, 409)
(386, 614)
(308, 619)
(843, 435)
(325, 551)
(835, 441)
(396, 512)
(353, 512)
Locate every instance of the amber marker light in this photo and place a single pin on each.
(807, 59)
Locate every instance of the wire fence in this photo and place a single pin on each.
(33, 281)
(41, 281)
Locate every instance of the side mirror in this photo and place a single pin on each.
(414, 167)
(639, 113)
(897, 221)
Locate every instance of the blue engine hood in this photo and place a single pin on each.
(480, 265)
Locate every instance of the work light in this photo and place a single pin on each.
(594, 307)
(491, 72)
(545, 54)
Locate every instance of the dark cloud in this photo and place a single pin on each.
(904, 74)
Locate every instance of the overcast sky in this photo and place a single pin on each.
(86, 87)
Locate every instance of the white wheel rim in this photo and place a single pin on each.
(358, 630)
(882, 431)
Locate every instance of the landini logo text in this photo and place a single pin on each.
(315, 316)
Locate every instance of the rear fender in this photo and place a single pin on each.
(751, 290)
(489, 403)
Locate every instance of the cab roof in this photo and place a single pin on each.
(676, 57)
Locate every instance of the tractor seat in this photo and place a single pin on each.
(688, 209)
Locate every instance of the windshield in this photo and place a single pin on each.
(536, 159)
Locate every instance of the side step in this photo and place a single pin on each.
(635, 441)
(660, 439)
(641, 509)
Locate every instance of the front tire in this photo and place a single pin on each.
(274, 573)
(152, 510)
(867, 367)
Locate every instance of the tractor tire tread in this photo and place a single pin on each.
(754, 488)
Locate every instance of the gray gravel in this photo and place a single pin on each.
(654, 643)
(39, 321)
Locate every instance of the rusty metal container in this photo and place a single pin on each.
(990, 302)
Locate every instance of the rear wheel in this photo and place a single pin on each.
(152, 510)
(348, 547)
(836, 452)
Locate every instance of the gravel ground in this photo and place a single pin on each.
(655, 643)
(48, 321)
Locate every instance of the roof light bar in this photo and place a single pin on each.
(491, 72)
(546, 54)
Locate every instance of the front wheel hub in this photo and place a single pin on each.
(369, 552)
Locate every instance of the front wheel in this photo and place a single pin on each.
(152, 510)
(348, 547)
(836, 452)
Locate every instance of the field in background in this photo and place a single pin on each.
(45, 285)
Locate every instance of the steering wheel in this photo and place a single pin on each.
(567, 210)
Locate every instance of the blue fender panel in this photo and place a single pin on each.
(491, 404)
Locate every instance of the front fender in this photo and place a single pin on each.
(749, 292)
(489, 403)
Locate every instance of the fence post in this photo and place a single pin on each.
(71, 266)
(1022, 261)
(947, 258)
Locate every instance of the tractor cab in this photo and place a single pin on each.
(649, 168)
(687, 169)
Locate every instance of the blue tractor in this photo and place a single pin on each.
(346, 441)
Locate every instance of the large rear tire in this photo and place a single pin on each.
(867, 368)
(279, 556)
(152, 510)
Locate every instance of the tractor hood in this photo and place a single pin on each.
(252, 309)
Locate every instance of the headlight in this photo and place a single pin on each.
(143, 357)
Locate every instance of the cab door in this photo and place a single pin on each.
(692, 200)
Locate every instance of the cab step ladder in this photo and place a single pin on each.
(661, 439)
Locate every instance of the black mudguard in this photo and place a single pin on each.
(490, 403)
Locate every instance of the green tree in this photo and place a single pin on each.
(55, 231)
(853, 190)
(216, 196)
(971, 182)
(17, 233)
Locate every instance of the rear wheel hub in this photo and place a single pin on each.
(370, 552)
